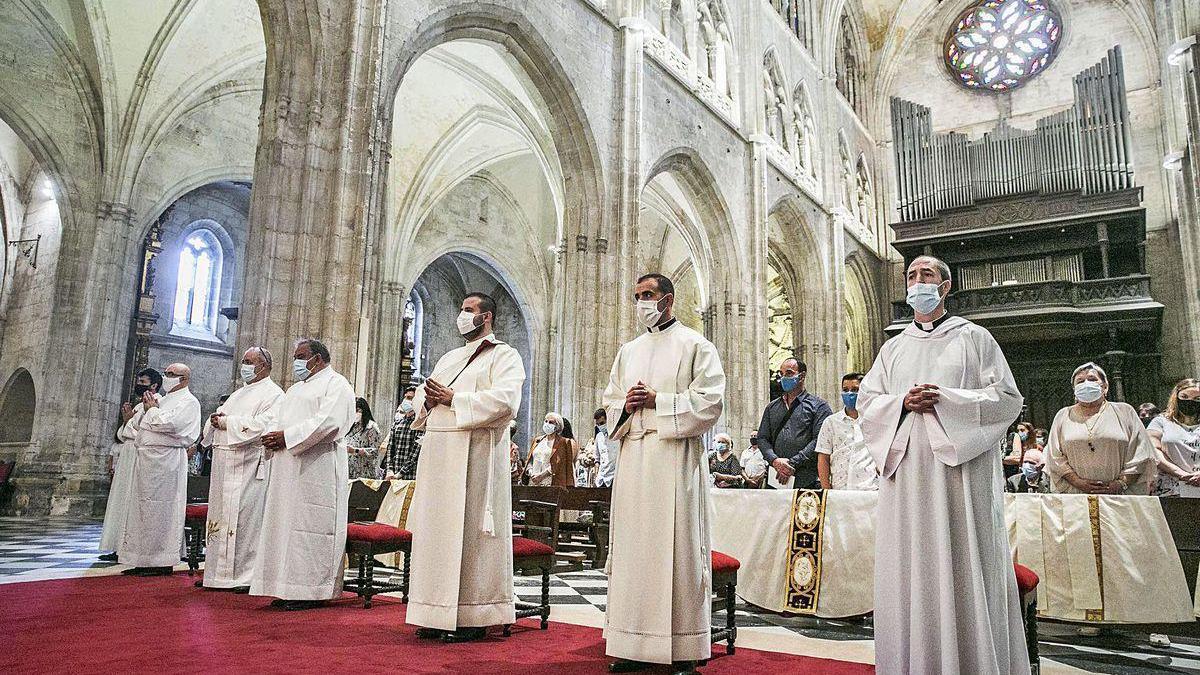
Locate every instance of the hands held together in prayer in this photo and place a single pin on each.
(640, 395)
(148, 401)
(273, 440)
(922, 398)
(126, 412)
(217, 420)
(437, 394)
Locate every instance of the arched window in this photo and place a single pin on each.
(413, 321)
(17, 405)
(716, 59)
(849, 187)
(198, 284)
(805, 130)
(775, 101)
(998, 45)
(846, 64)
(865, 208)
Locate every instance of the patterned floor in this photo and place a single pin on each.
(57, 548)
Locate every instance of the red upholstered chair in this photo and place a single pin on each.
(534, 542)
(195, 526)
(367, 540)
(724, 581)
(1027, 583)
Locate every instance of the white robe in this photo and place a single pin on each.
(461, 515)
(945, 592)
(116, 510)
(238, 485)
(153, 535)
(304, 517)
(660, 565)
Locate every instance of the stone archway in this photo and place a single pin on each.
(18, 405)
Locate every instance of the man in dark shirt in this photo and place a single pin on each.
(787, 435)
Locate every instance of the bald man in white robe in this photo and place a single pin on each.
(934, 408)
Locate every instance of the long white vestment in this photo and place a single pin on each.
(461, 515)
(238, 485)
(660, 564)
(116, 510)
(945, 593)
(304, 517)
(153, 534)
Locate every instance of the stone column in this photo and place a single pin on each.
(1181, 58)
(314, 177)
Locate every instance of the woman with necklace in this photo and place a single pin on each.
(1097, 446)
(1176, 437)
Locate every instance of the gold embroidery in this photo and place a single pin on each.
(1094, 516)
(408, 497)
(804, 552)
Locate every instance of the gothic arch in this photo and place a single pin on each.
(18, 403)
(864, 321)
(776, 106)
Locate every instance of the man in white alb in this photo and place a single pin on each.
(121, 459)
(462, 545)
(666, 389)
(153, 538)
(304, 519)
(934, 408)
(238, 485)
(843, 462)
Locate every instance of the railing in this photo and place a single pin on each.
(1045, 295)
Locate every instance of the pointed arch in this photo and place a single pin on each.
(804, 124)
(776, 107)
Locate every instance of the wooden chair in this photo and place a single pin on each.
(1027, 583)
(601, 516)
(535, 538)
(366, 539)
(195, 523)
(724, 581)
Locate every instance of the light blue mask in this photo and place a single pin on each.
(850, 399)
(721, 447)
(1031, 472)
(789, 383)
(300, 369)
(924, 298)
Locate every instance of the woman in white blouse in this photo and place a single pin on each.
(1097, 446)
(1176, 436)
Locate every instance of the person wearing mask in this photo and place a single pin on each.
(362, 443)
(308, 487)
(606, 451)
(120, 464)
(1097, 446)
(1019, 441)
(754, 467)
(723, 463)
(153, 537)
(843, 462)
(1147, 412)
(665, 391)
(238, 487)
(552, 455)
(935, 408)
(1032, 476)
(1176, 438)
(787, 435)
(462, 574)
(515, 463)
(404, 442)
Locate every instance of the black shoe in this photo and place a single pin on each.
(430, 633)
(465, 635)
(132, 571)
(109, 557)
(278, 602)
(300, 605)
(627, 666)
(153, 571)
(240, 590)
(683, 668)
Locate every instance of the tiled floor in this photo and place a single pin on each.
(55, 548)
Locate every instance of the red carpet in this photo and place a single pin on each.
(164, 625)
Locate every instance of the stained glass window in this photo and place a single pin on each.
(998, 45)
(198, 282)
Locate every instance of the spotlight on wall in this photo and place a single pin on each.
(47, 188)
(230, 313)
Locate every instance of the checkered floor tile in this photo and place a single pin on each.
(60, 548)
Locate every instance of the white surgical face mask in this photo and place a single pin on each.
(1088, 391)
(300, 369)
(247, 372)
(466, 323)
(406, 406)
(924, 298)
(549, 428)
(170, 383)
(649, 313)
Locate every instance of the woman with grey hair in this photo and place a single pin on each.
(1097, 446)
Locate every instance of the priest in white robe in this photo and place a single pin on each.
(238, 484)
(934, 408)
(299, 561)
(153, 537)
(461, 515)
(666, 390)
(121, 456)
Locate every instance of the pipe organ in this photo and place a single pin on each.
(1083, 148)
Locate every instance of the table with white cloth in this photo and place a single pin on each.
(1101, 559)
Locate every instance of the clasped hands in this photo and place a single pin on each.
(640, 395)
(922, 398)
(437, 394)
(217, 420)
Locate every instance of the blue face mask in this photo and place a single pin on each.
(924, 298)
(789, 383)
(850, 399)
(721, 447)
(1031, 472)
(1024, 435)
(300, 369)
